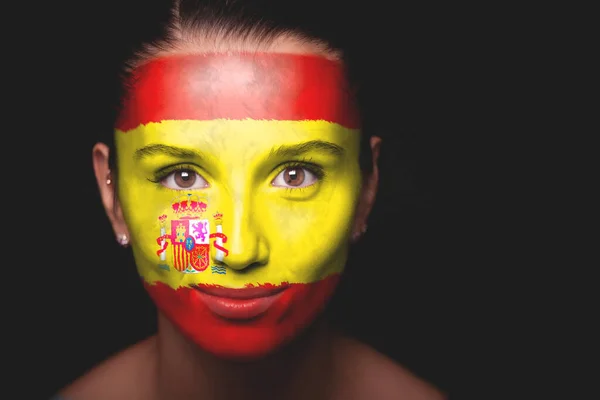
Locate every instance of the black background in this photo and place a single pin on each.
(440, 83)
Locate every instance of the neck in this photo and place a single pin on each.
(185, 371)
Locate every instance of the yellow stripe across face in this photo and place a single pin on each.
(300, 236)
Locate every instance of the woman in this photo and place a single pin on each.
(239, 175)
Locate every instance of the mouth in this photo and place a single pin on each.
(239, 304)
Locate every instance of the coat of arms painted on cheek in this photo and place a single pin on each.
(189, 234)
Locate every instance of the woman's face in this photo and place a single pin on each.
(239, 180)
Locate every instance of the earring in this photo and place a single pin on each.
(123, 240)
(108, 178)
(358, 234)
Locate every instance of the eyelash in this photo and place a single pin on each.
(315, 169)
(162, 173)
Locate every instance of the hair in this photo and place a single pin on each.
(253, 23)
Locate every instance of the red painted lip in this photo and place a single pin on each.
(245, 293)
(239, 304)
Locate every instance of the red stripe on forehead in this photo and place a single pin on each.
(263, 86)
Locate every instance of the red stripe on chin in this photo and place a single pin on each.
(294, 310)
(259, 86)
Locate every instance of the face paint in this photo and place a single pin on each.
(239, 177)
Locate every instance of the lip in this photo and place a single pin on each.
(239, 304)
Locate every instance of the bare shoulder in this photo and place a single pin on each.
(123, 376)
(367, 373)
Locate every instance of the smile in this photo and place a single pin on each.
(239, 304)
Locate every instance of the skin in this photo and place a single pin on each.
(173, 364)
(240, 124)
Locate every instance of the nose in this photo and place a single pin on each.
(245, 246)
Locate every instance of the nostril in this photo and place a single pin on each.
(250, 267)
(254, 265)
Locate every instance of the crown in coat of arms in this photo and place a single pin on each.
(218, 218)
(188, 206)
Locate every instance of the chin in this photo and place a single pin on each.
(243, 337)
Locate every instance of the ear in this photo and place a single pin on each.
(108, 195)
(368, 192)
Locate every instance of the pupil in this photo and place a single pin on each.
(294, 176)
(185, 178)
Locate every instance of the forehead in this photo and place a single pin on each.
(239, 86)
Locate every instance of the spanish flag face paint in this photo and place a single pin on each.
(239, 178)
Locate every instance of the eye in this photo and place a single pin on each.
(295, 177)
(184, 179)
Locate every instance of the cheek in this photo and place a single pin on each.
(172, 236)
(310, 236)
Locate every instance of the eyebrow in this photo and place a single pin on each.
(162, 149)
(303, 148)
(283, 151)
